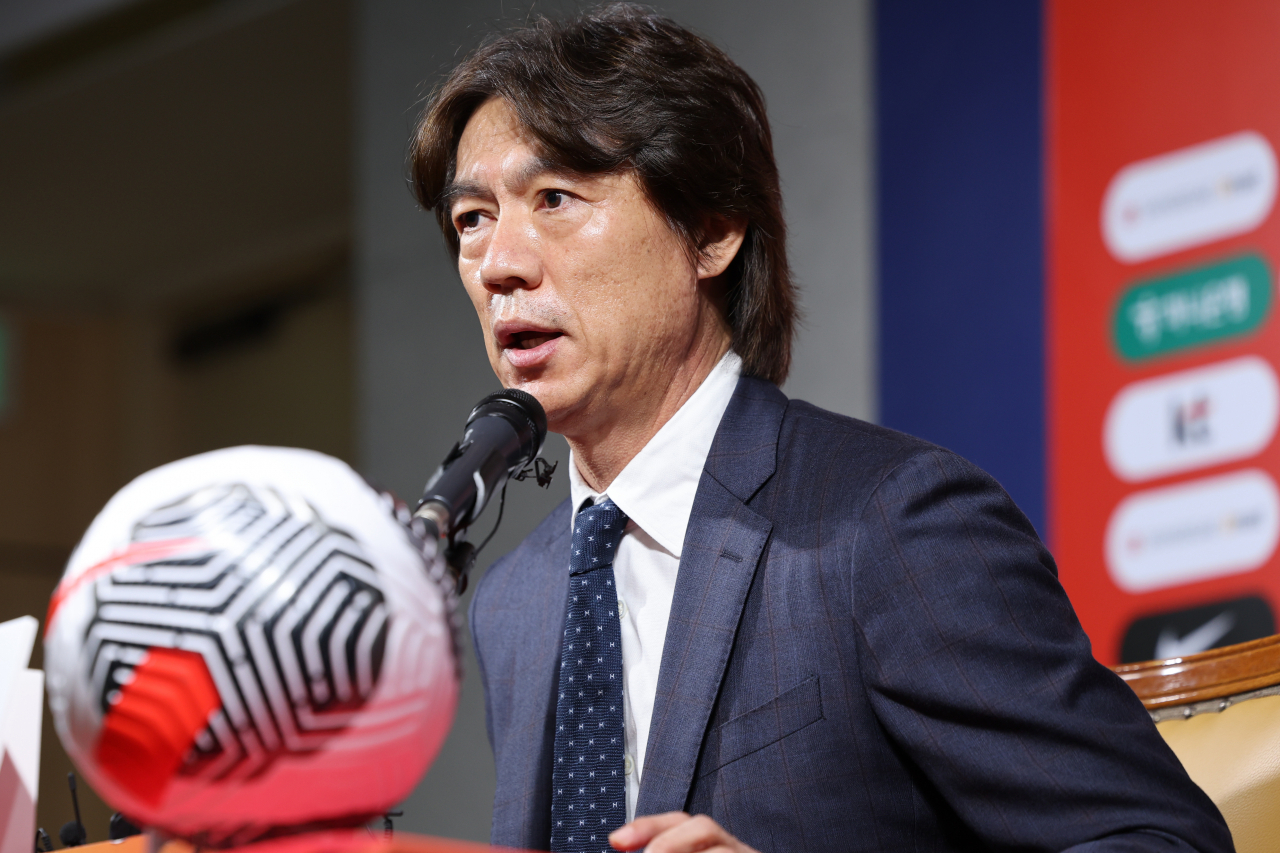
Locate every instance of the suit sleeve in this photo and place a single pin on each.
(980, 673)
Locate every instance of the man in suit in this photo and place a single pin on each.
(756, 624)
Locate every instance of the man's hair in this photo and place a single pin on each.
(622, 88)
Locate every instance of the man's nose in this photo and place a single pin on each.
(511, 259)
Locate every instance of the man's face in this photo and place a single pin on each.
(588, 300)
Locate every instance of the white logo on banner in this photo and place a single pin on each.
(1189, 197)
(1192, 419)
(1193, 531)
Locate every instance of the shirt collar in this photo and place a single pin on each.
(657, 487)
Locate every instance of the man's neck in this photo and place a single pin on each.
(601, 455)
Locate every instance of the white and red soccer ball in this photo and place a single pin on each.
(252, 641)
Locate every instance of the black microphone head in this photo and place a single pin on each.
(503, 436)
(121, 827)
(72, 834)
(523, 411)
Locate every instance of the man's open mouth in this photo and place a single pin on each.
(529, 340)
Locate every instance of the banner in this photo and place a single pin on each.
(1163, 123)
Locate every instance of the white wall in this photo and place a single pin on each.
(422, 361)
(813, 60)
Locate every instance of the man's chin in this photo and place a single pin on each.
(558, 401)
(538, 384)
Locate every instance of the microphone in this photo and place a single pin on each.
(72, 833)
(121, 827)
(503, 434)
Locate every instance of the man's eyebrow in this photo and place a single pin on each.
(463, 189)
(534, 168)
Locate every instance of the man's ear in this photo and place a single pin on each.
(721, 241)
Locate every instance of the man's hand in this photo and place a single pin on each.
(676, 832)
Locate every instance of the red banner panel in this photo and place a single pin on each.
(1163, 343)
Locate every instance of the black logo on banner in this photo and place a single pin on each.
(1179, 633)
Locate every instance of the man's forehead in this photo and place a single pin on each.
(496, 147)
(495, 136)
(513, 170)
(494, 122)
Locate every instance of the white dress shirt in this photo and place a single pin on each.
(656, 491)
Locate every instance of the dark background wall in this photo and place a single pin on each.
(175, 274)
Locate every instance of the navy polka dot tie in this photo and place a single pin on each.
(588, 794)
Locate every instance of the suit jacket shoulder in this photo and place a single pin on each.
(829, 466)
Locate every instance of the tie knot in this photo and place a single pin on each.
(597, 530)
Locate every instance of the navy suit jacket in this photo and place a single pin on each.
(868, 649)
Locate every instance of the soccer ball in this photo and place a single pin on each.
(250, 642)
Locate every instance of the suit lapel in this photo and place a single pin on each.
(722, 548)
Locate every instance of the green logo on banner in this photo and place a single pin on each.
(1193, 308)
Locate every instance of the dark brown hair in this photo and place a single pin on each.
(623, 88)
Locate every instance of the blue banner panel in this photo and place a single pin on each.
(959, 97)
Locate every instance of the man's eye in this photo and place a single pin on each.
(470, 219)
(553, 198)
